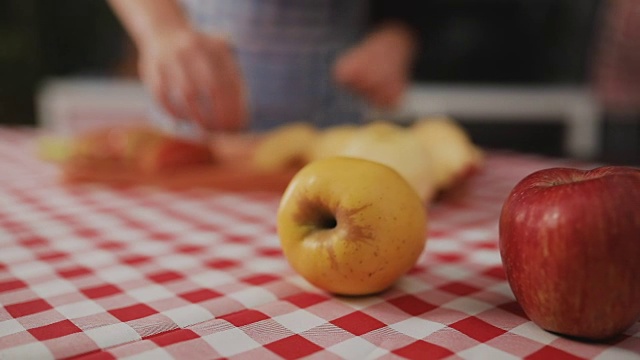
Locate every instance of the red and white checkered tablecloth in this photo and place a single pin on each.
(97, 272)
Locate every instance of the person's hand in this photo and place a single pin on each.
(195, 77)
(379, 68)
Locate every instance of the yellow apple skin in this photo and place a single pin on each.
(351, 226)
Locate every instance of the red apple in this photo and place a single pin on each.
(570, 246)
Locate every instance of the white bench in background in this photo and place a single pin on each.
(68, 105)
(574, 106)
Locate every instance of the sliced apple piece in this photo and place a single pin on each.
(398, 148)
(451, 150)
(332, 141)
(285, 147)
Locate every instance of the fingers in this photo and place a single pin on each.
(386, 93)
(377, 82)
(379, 67)
(156, 79)
(212, 87)
(227, 87)
(198, 80)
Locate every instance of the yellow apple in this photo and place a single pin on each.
(398, 148)
(450, 149)
(351, 226)
(284, 147)
(332, 140)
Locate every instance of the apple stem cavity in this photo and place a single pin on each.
(327, 222)
(316, 214)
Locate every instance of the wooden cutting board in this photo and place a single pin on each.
(218, 177)
(231, 172)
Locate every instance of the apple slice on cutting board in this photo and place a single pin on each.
(284, 147)
(435, 154)
(147, 156)
(453, 154)
(396, 147)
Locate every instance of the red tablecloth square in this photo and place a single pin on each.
(190, 249)
(450, 257)
(11, 284)
(304, 300)
(165, 276)
(27, 308)
(101, 291)
(221, 264)
(358, 323)
(54, 330)
(549, 352)
(200, 295)
(94, 356)
(412, 305)
(459, 288)
(110, 245)
(173, 337)
(244, 317)
(423, 350)
(270, 251)
(88, 232)
(33, 241)
(75, 271)
(135, 259)
(496, 272)
(161, 236)
(259, 279)
(52, 255)
(478, 329)
(133, 312)
(293, 347)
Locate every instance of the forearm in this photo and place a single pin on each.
(145, 19)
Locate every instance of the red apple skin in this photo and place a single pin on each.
(570, 246)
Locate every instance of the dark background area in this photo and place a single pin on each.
(509, 42)
(518, 42)
(40, 38)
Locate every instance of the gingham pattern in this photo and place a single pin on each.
(101, 273)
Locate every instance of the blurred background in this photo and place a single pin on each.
(538, 62)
